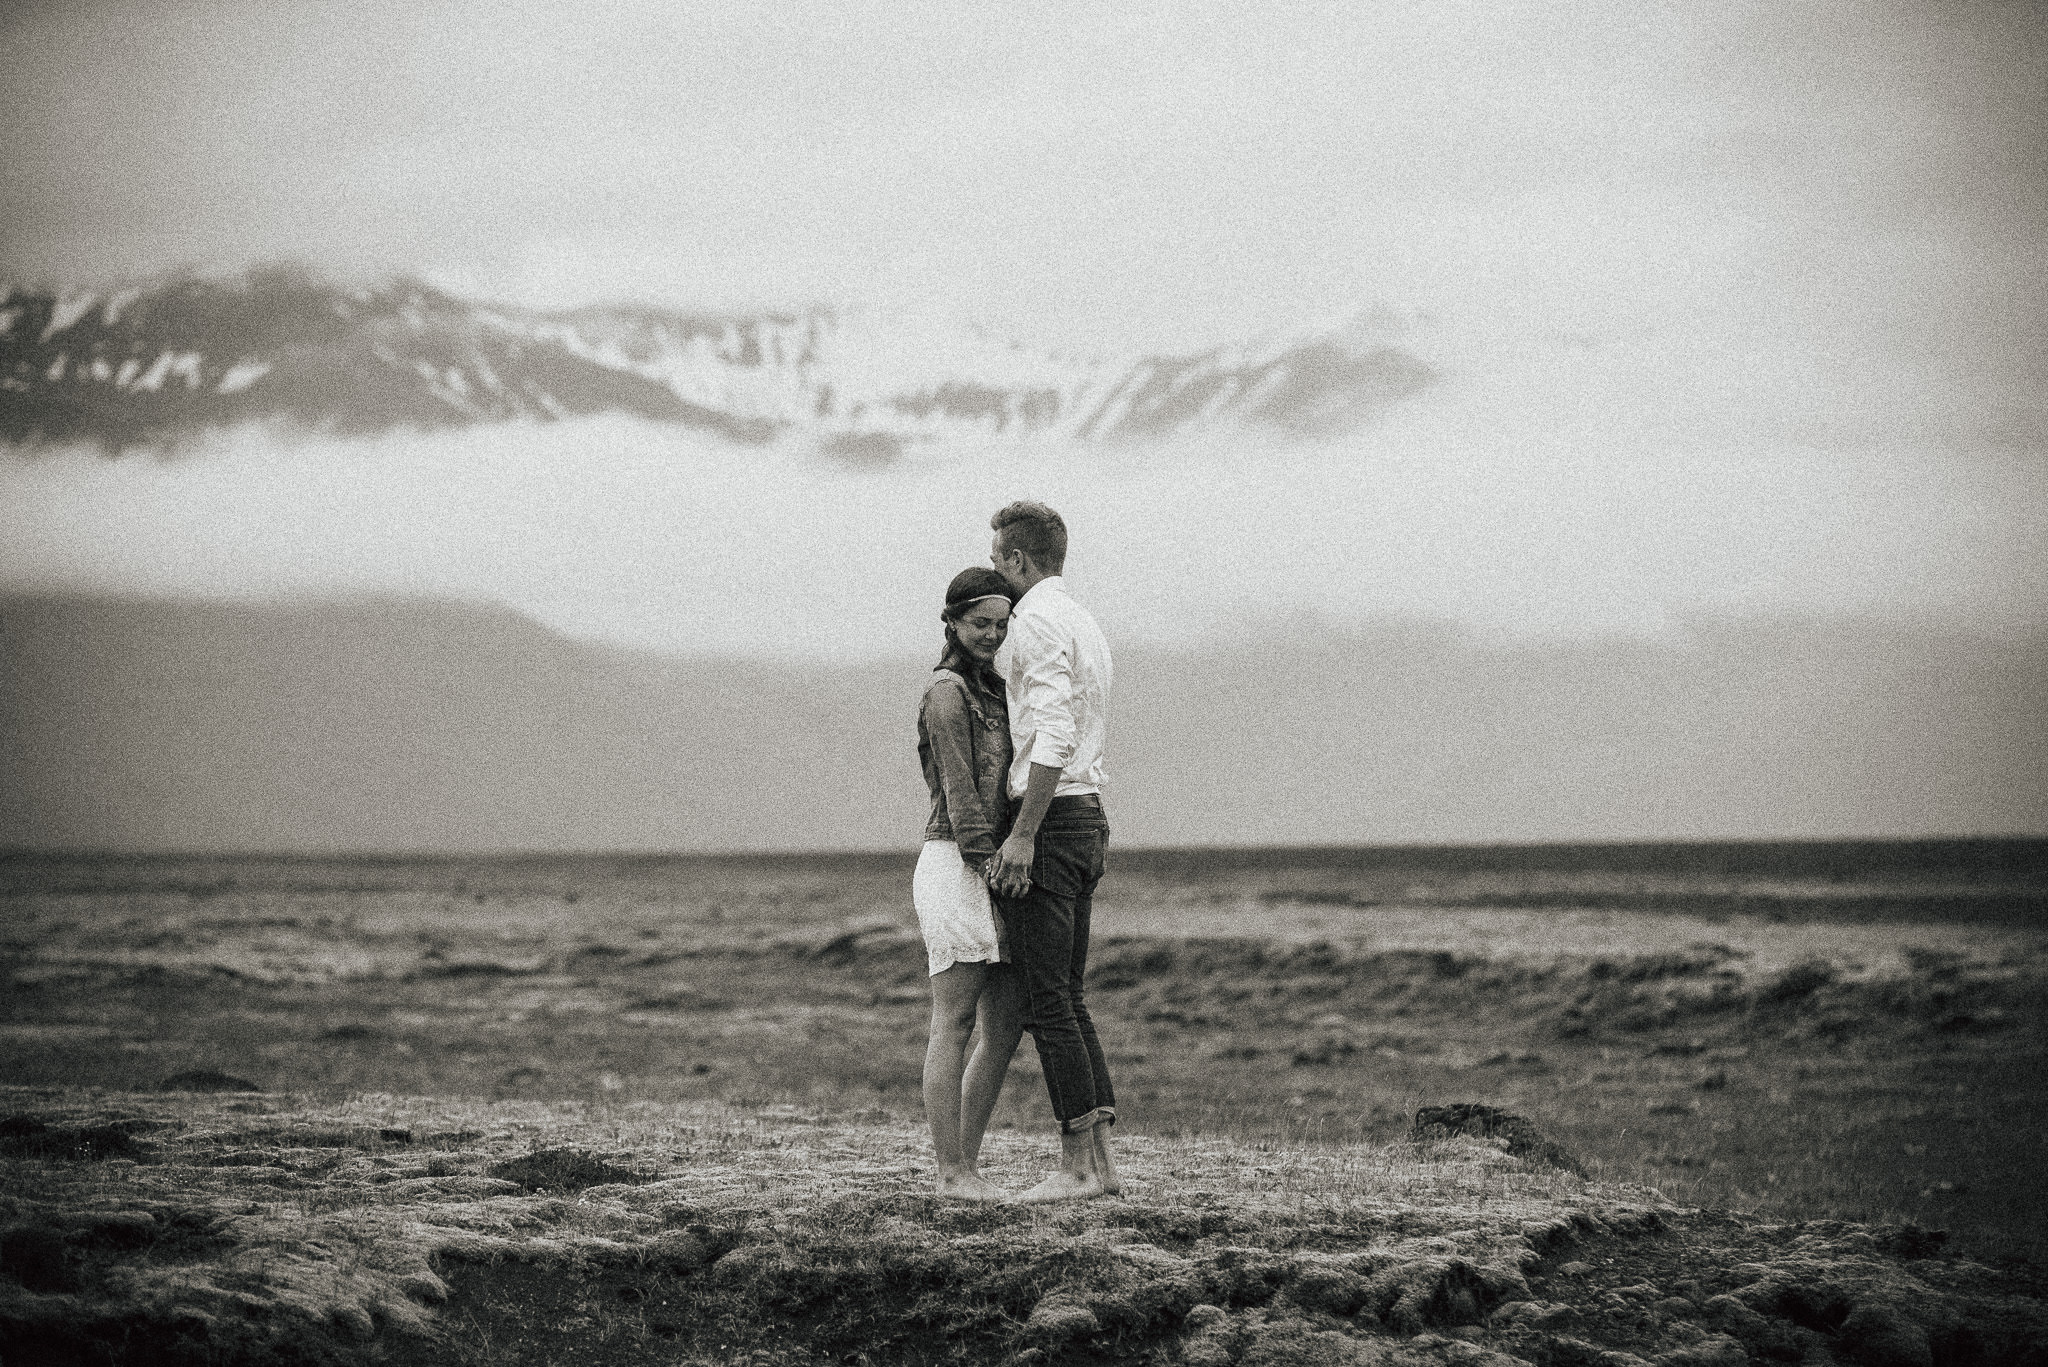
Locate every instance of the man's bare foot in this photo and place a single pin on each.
(968, 1186)
(1105, 1167)
(1062, 1186)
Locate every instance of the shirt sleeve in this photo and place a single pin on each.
(1045, 660)
(949, 725)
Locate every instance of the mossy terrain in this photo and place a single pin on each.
(1802, 1033)
(593, 1110)
(267, 1228)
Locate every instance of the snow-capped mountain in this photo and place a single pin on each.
(140, 367)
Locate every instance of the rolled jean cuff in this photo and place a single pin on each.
(1088, 1120)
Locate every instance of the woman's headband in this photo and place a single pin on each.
(954, 611)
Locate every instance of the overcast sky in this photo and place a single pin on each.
(1738, 307)
(1136, 173)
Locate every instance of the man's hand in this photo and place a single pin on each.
(1009, 873)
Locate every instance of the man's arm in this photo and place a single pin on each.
(1048, 703)
(1009, 873)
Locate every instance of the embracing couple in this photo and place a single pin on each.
(1010, 734)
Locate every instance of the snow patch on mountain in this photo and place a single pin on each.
(148, 366)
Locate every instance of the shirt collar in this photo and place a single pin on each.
(1052, 583)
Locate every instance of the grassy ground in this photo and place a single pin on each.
(244, 1229)
(1795, 1042)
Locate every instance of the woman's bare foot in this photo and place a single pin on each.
(1062, 1186)
(968, 1186)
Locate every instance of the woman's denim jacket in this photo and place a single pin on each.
(963, 742)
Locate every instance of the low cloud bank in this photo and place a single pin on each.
(1536, 497)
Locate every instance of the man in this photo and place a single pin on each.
(1057, 668)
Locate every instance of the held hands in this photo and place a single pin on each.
(1009, 873)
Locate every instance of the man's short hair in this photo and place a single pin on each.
(1037, 531)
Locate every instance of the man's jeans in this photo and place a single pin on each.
(1048, 929)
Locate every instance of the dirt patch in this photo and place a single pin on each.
(562, 1170)
(206, 1080)
(23, 1136)
(67, 1294)
(1814, 1292)
(1519, 1133)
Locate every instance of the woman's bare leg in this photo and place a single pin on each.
(955, 993)
(999, 1024)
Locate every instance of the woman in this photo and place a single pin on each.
(963, 742)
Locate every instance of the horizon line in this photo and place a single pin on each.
(1643, 844)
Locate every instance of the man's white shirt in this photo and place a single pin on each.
(1057, 668)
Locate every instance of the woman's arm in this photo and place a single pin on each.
(950, 726)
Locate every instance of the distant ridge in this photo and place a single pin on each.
(1947, 856)
(148, 366)
(415, 726)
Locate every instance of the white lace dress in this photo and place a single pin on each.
(953, 911)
